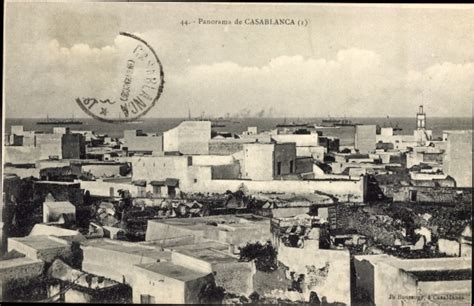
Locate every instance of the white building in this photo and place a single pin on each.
(365, 138)
(457, 161)
(267, 161)
(53, 211)
(167, 283)
(392, 281)
(189, 137)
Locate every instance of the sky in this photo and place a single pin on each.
(353, 61)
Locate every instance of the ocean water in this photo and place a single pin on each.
(238, 125)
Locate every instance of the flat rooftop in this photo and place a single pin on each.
(422, 264)
(212, 252)
(445, 275)
(209, 255)
(56, 183)
(426, 264)
(40, 242)
(210, 220)
(118, 180)
(128, 247)
(172, 271)
(59, 204)
(17, 262)
(457, 131)
(45, 230)
(202, 245)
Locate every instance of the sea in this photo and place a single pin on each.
(238, 125)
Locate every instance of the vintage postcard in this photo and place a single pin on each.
(236, 153)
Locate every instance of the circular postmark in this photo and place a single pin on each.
(135, 88)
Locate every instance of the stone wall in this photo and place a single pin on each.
(224, 147)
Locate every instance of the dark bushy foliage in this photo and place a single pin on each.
(211, 294)
(265, 256)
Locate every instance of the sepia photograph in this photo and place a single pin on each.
(237, 153)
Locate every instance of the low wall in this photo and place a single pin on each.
(285, 212)
(24, 270)
(242, 235)
(311, 151)
(171, 242)
(344, 190)
(102, 170)
(160, 230)
(102, 189)
(22, 172)
(41, 164)
(47, 254)
(191, 262)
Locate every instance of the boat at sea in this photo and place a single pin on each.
(52, 121)
(217, 124)
(334, 122)
(292, 125)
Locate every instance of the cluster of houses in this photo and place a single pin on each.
(298, 177)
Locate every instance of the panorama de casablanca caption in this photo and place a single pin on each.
(336, 174)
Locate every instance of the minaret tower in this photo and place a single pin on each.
(420, 119)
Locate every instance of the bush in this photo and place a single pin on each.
(211, 294)
(265, 256)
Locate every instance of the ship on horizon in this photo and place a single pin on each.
(56, 121)
(334, 122)
(215, 122)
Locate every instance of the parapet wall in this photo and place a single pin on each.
(105, 189)
(23, 172)
(344, 190)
